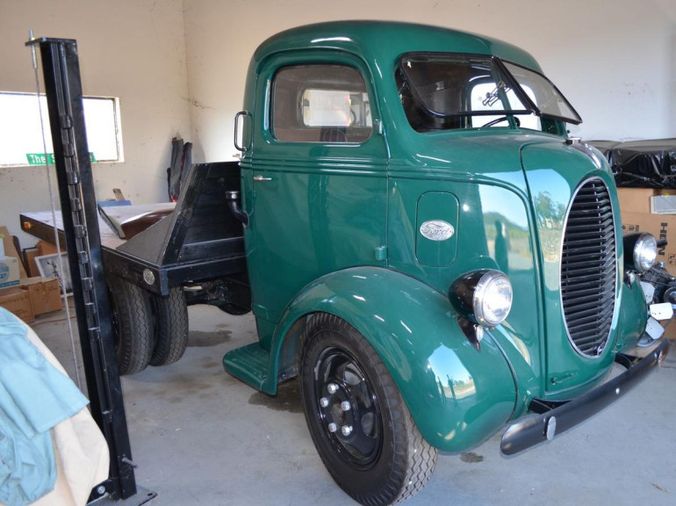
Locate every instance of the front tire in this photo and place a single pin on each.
(358, 421)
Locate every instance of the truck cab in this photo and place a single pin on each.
(427, 250)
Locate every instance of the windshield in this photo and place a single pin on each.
(446, 91)
(545, 96)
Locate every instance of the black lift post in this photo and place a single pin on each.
(78, 205)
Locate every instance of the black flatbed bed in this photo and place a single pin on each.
(199, 240)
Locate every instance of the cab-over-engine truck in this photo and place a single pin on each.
(423, 246)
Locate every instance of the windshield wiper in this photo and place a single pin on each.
(493, 96)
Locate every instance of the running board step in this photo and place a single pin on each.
(250, 364)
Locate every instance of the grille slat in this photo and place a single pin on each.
(580, 250)
(584, 291)
(586, 324)
(573, 283)
(582, 287)
(584, 221)
(581, 237)
(588, 268)
(585, 258)
(583, 301)
(576, 268)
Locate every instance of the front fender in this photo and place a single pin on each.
(458, 396)
(633, 315)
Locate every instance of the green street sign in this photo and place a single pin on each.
(40, 159)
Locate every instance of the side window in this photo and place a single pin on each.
(320, 103)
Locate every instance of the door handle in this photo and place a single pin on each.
(261, 179)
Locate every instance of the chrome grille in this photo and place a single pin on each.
(588, 264)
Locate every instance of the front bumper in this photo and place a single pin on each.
(556, 417)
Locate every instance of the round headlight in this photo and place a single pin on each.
(492, 298)
(484, 296)
(645, 252)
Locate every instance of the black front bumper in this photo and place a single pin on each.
(557, 417)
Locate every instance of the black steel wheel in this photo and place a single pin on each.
(171, 327)
(133, 328)
(358, 421)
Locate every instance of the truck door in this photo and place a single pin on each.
(315, 182)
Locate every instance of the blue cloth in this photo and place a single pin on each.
(113, 203)
(34, 397)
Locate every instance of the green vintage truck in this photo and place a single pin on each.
(425, 248)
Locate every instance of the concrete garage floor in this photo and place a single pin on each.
(199, 436)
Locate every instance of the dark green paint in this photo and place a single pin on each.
(336, 229)
(458, 396)
(317, 196)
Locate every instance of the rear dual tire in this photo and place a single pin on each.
(133, 329)
(148, 329)
(171, 335)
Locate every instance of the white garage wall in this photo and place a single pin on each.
(618, 67)
(614, 60)
(132, 49)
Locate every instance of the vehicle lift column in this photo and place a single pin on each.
(63, 88)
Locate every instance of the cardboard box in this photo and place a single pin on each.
(636, 217)
(670, 329)
(44, 294)
(17, 301)
(10, 250)
(662, 226)
(663, 204)
(635, 200)
(47, 248)
(9, 271)
(29, 255)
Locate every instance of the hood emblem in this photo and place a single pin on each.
(437, 230)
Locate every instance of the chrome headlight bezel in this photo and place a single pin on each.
(475, 295)
(643, 249)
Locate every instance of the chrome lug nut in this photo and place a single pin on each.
(345, 406)
(332, 388)
(323, 402)
(346, 430)
(333, 427)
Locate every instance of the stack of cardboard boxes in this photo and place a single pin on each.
(651, 210)
(25, 294)
(637, 205)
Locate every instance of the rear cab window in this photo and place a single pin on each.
(320, 103)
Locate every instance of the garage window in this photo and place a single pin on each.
(21, 139)
(320, 103)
